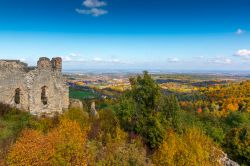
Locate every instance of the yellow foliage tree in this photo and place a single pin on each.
(191, 148)
(70, 144)
(117, 152)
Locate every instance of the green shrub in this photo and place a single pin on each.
(78, 115)
(238, 119)
(237, 145)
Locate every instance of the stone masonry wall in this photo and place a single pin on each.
(39, 91)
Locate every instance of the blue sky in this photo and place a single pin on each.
(128, 34)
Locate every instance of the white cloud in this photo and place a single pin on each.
(243, 53)
(98, 59)
(73, 54)
(175, 60)
(223, 61)
(92, 7)
(73, 57)
(200, 57)
(23, 59)
(220, 60)
(240, 31)
(94, 3)
(66, 58)
(112, 60)
(76, 58)
(93, 11)
(115, 60)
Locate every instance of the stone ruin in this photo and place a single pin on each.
(41, 90)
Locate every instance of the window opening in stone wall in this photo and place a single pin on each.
(44, 97)
(17, 96)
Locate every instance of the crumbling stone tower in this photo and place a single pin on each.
(39, 90)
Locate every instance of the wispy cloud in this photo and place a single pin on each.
(74, 54)
(66, 58)
(94, 11)
(101, 60)
(73, 57)
(97, 59)
(77, 58)
(223, 61)
(220, 60)
(23, 59)
(94, 3)
(200, 57)
(115, 60)
(93, 7)
(173, 60)
(240, 31)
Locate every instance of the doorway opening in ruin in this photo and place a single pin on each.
(17, 95)
(44, 97)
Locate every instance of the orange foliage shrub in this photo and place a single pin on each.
(64, 145)
(32, 148)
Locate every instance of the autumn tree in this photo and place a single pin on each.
(117, 151)
(191, 148)
(229, 98)
(64, 145)
(40, 150)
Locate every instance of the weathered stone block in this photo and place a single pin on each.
(44, 64)
(57, 64)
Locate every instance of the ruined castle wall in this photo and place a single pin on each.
(44, 82)
(12, 74)
(54, 88)
(65, 98)
(8, 66)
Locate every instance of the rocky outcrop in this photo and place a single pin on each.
(75, 103)
(93, 111)
(226, 161)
